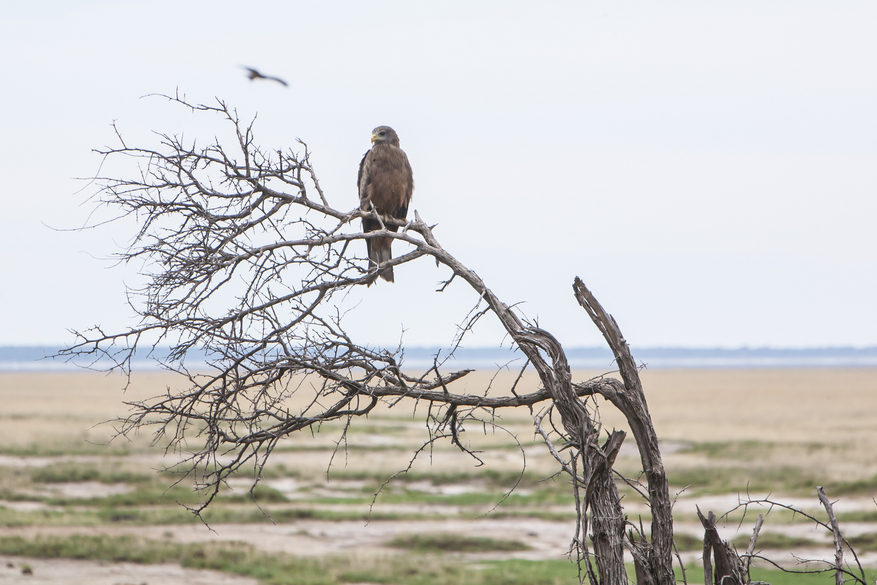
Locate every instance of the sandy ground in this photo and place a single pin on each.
(836, 408)
(797, 405)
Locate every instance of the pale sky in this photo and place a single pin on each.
(708, 169)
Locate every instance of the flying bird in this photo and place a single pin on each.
(254, 74)
(386, 184)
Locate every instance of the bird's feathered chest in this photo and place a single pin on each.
(386, 179)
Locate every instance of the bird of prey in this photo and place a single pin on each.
(386, 184)
(254, 74)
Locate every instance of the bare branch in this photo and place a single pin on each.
(565, 465)
(838, 538)
(750, 550)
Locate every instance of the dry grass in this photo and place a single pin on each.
(824, 419)
(52, 410)
(802, 406)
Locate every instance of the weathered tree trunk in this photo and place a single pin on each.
(729, 568)
(630, 399)
(601, 493)
(554, 373)
(608, 519)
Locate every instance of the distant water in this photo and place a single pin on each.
(670, 357)
(37, 358)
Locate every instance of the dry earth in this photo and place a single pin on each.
(793, 409)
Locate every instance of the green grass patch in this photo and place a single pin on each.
(536, 498)
(12, 496)
(771, 540)
(12, 518)
(71, 472)
(80, 446)
(103, 548)
(684, 541)
(174, 514)
(864, 542)
(490, 477)
(781, 516)
(277, 471)
(262, 494)
(857, 487)
(521, 572)
(858, 516)
(524, 513)
(687, 542)
(446, 542)
(329, 449)
(379, 429)
(742, 450)
(157, 493)
(340, 500)
(152, 494)
(694, 573)
(74, 448)
(746, 450)
(722, 480)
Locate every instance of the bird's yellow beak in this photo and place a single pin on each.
(374, 137)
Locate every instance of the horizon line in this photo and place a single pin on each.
(750, 347)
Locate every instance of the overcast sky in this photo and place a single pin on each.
(708, 169)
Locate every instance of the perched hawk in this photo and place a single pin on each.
(385, 183)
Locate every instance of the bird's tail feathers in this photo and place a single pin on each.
(379, 250)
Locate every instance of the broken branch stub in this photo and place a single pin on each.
(729, 569)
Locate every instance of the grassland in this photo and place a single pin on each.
(68, 491)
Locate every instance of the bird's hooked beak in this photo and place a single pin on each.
(374, 137)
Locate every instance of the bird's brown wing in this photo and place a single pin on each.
(362, 180)
(389, 180)
(406, 188)
(376, 247)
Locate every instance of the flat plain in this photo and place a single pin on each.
(68, 491)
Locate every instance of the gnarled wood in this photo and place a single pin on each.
(607, 518)
(729, 568)
(630, 399)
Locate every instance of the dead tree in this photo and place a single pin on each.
(244, 257)
(722, 565)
